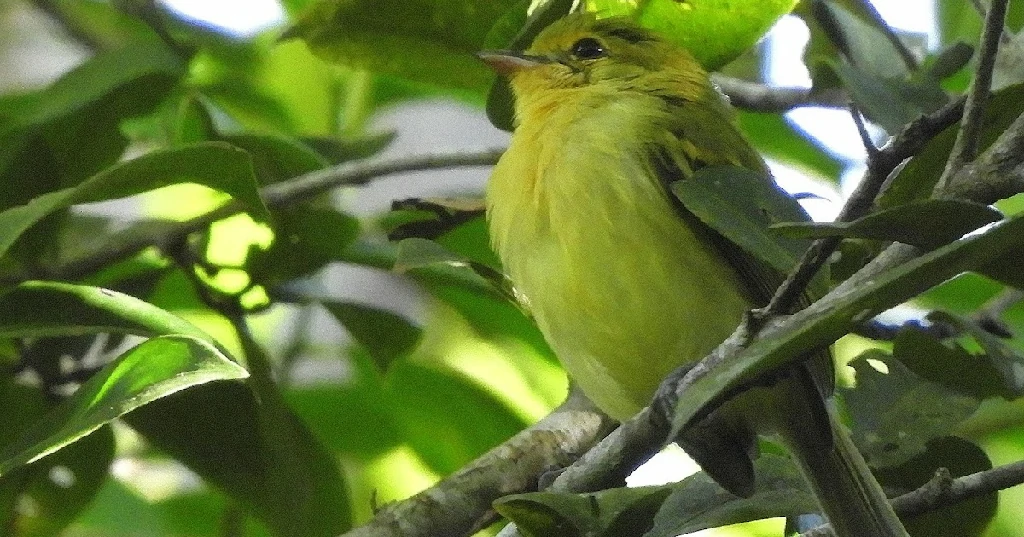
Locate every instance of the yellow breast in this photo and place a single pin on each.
(623, 290)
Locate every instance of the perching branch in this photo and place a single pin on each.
(462, 501)
(756, 97)
(277, 195)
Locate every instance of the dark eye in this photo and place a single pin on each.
(588, 48)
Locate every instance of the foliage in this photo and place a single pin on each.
(156, 341)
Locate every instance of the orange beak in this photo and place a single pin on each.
(508, 63)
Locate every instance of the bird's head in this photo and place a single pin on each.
(581, 50)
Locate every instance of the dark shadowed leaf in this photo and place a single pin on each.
(916, 410)
(960, 457)
(305, 239)
(741, 205)
(1006, 360)
(387, 336)
(546, 514)
(950, 365)
(927, 223)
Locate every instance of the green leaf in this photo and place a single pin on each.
(777, 138)
(216, 165)
(431, 403)
(144, 66)
(741, 205)
(386, 336)
(305, 239)
(916, 410)
(926, 224)
(36, 309)
(813, 327)
(1006, 360)
(917, 179)
(431, 42)
(715, 31)
(276, 158)
(366, 429)
(890, 102)
(154, 369)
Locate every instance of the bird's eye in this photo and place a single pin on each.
(588, 48)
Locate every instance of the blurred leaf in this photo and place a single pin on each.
(779, 139)
(65, 484)
(420, 40)
(432, 403)
(350, 418)
(950, 60)
(276, 158)
(960, 457)
(861, 37)
(741, 204)
(154, 369)
(387, 336)
(916, 411)
(305, 239)
(889, 102)
(339, 150)
(216, 165)
(926, 224)
(948, 364)
(272, 466)
(144, 69)
(918, 177)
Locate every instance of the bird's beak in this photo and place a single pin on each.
(507, 62)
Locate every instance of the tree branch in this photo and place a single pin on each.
(756, 97)
(462, 501)
(276, 195)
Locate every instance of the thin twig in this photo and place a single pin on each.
(965, 149)
(865, 137)
(755, 97)
(277, 195)
(880, 164)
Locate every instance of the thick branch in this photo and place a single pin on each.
(761, 98)
(462, 501)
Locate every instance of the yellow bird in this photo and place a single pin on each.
(624, 284)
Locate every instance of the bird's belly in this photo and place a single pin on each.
(624, 300)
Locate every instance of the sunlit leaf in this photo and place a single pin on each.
(154, 369)
(216, 165)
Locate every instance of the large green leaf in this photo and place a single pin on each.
(216, 165)
(154, 369)
(715, 31)
(418, 39)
